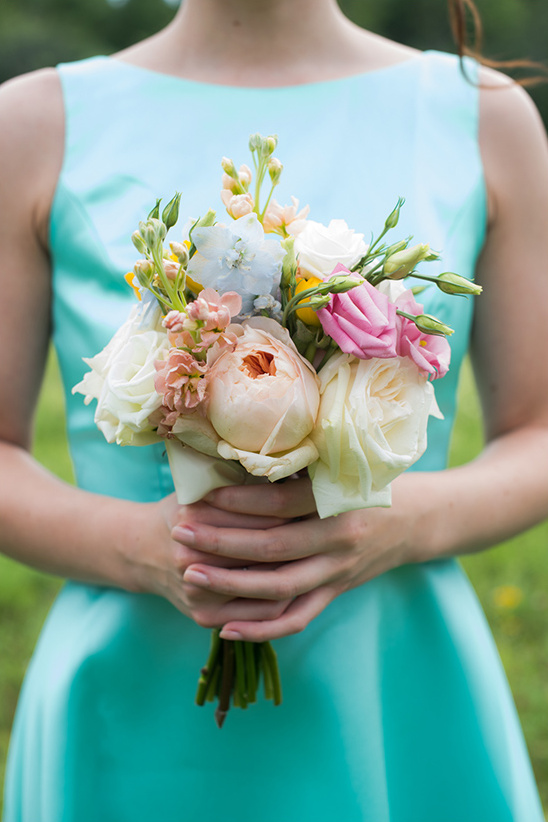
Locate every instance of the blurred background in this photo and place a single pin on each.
(511, 580)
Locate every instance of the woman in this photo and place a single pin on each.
(396, 707)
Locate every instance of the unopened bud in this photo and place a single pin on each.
(400, 264)
(451, 283)
(340, 283)
(229, 168)
(275, 169)
(289, 262)
(269, 144)
(431, 325)
(181, 252)
(152, 231)
(394, 216)
(155, 212)
(205, 221)
(170, 214)
(144, 271)
(244, 175)
(138, 242)
(317, 301)
(393, 249)
(254, 142)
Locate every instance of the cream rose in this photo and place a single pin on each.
(371, 427)
(122, 379)
(320, 248)
(263, 400)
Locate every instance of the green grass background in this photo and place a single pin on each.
(518, 614)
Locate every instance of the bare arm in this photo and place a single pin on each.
(43, 521)
(434, 515)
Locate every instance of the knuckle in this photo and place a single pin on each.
(205, 619)
(297, 624)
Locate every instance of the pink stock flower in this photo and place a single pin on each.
(204, 321)
(287, 217)
(361, 321)
(237, 205)
(179, 381)
(430, 352)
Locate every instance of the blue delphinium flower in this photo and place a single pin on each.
(237, 257)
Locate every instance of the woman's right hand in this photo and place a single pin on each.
(158, 563)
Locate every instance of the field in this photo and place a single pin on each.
(511, 581)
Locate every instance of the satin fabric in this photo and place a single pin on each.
(396, 708)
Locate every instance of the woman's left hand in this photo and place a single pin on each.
(310, 561)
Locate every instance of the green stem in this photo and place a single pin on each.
(251, 671)
(227, 681)
(272, 662)
(240, 673)
(208, 669)
(267, 674)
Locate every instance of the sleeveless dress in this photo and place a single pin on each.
(396, 708)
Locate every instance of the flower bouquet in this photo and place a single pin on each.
(265, 345)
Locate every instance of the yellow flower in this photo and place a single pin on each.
(507, 597)
(307, 315)
(130, 280)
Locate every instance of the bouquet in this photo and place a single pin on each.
(268, 344)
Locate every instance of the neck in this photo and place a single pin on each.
(271, 42)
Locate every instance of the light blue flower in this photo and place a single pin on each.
(238, 258)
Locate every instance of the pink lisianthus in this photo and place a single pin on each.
(430, 352)
(180, 381)
(361, 321)
(278, 218)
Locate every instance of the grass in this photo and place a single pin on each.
(511, 581)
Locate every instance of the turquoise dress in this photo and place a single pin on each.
(396, 708)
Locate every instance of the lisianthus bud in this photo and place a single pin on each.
(275, 169)
(204, 222)
(431, 325)
(318, 301)
(170, 214)
(400, 264)
(138, 242)
(155, 212)
(340, 283)
(394, 216)
(392, 249)
(181, 252)
(451, 283)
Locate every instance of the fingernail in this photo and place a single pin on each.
(182, 534)
(196, 577)
(230, 635)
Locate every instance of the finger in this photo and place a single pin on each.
(203, 512)
(293, 541)
(286, 581)
(293, 620)
(293, 498)
(214, 616)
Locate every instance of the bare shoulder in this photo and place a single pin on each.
(513, 140)
(32, 140)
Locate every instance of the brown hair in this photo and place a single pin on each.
(464, 17)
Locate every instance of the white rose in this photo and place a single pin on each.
(320, 248)
(122, 379)
(371, 427)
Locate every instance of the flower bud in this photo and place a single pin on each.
(275, 169)
(180, 251)
(152, 231)
(318, 301)
(229, 168)
(155, 212)
(393, 249)
(289, 262)
(255, 142)
(400, 264)
(138, 242)
(269, 144)
(394, 216)
(170, 214)
(144, 271)
(431, 325)
(340, 283)
(451, 283)
(244, 175)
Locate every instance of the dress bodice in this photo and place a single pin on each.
(349, 147)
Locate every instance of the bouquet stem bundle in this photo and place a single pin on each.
(233, 672)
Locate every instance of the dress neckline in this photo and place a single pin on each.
(410, 62)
